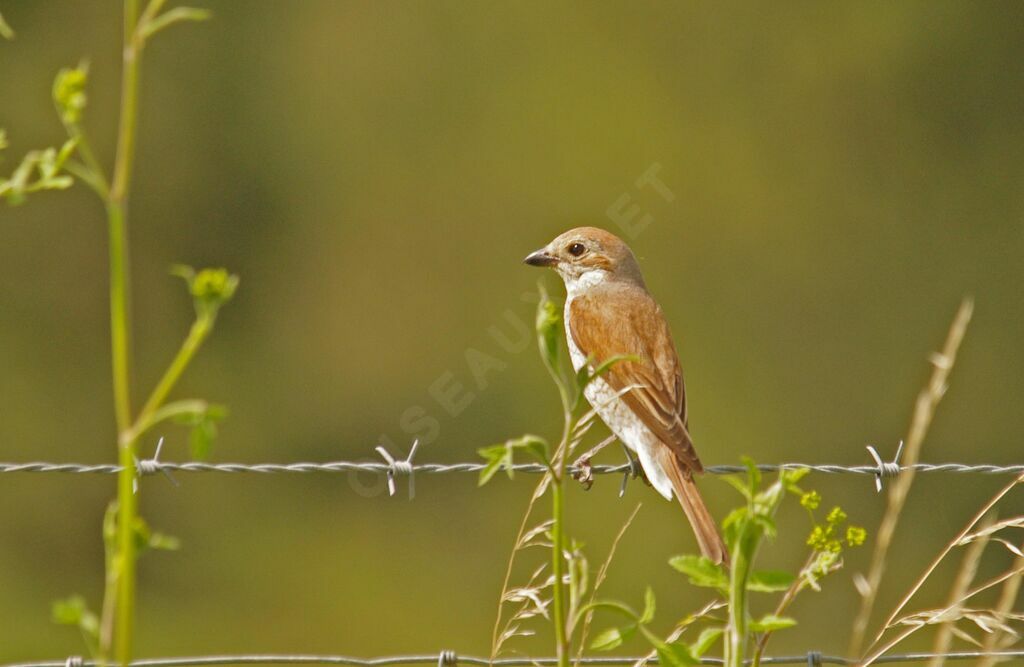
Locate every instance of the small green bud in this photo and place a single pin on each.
(855, 536)
(69, 92)
(817, 539)
(836, 516)
(210, 288)
(214, 285)
(811, 500)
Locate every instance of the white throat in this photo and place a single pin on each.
(578, 284)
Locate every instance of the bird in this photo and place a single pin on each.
(609, 312)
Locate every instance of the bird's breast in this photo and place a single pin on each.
(575, 354)
(608, 404)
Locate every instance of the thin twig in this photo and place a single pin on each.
(964, 577)
(949, 547)
(602, 574)
(497, 633)
(924, 410)
(915, 625)
(1007, 597)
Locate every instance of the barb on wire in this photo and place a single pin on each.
(885, 468)
(150, 467)
(447, 658)
(396, 467)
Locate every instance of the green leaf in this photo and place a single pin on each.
(753, 474)
(488, 471)
(68, 611)
(701, 571)
(501, 456)
(609, 605)
(766, 523)
(535, 445)
(203, 422)
(172, 16)
(585, 375)
(45, 166)
(791, 477)
(649, 607)
(200, 439)
(770, 623)
(740, 486)
(497, 456)
(769, 581)
(75, 612)
(548, 325)
(672, 655)
(148, 539)
(164, 542)
(676, 655)
(706, 639)
(612, 638)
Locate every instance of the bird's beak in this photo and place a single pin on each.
(540, 258)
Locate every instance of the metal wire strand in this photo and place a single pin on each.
(433, 658)
(152, 467)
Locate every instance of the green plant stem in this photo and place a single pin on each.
(558, 571)
(562, 649)
(197, 334)
(736, 632)
(787, 598)
(110, 582)
(90, 171)
(119, 334)
(124, 562)
(169, 411)
(129, 103)
(119, 338)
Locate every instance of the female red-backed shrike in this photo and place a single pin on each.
(609, 312)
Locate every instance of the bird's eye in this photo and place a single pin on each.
(576, 249)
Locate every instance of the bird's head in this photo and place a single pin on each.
(586, 256)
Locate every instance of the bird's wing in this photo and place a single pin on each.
(624, 321)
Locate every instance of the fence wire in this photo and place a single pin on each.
(450, 659)
(151, 466)
(392, 468)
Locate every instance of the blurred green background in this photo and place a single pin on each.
(842, 175)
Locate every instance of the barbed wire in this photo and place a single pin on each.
(582, 469)
(370, 466)
(451, 659)
(150, 467)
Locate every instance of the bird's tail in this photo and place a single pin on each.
(703, 524)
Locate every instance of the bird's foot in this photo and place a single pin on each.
(635, 471)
